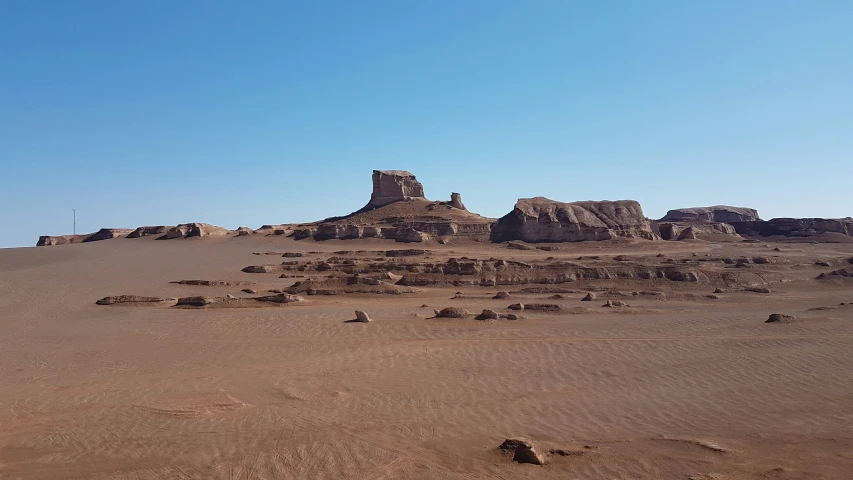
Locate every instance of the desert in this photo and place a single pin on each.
(413, 338)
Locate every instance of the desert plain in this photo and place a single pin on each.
(669, 370)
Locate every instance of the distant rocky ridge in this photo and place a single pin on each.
(398, 210)
(795, 227)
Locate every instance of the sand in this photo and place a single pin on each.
(675, 386)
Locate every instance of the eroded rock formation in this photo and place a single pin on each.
(718, 213)
(187, 230)
(456, 201)
(543, 220)
(391, 186)
(795, 227)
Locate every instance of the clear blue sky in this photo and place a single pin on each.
(244, 113)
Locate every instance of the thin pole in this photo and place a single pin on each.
(75, 220)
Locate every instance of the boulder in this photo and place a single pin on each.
(780, 318)
(361, 316)
(718, 213)
(452, 312)
(488, 315)
(542, 220)
(281, 298)
(391, 186)
(523, 450)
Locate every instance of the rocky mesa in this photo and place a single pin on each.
(543, 220)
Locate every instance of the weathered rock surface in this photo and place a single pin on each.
(456, 201)
(795, 227)
(133, 300)
(108, 233)
(488, 315)
(52, 240)
(452, 312)
(523, 450)
(213, 283)
(149, 230)
(692, 230)
(780, 318)
(718, 213)
(841, 272)
(187, 230)
(542, 220)
(391, 186)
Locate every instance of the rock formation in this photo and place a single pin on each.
(456, 201)
(102, 234)
(719, 213)
(692, 230)
(795, 227)
(398, 211)
(187, 230)
(391, 186)
(150, 230)
(542, 220)
(51, 240)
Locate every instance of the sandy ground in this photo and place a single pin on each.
(681, 387)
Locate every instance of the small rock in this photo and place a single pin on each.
(362, 316)
(757, 290)
(488, 315)
(523, 451)
(516, 306)
(512, 316)
(501, 296)
(230, 296)
(780, 318)
(451, 312)
(589, 297)
(249, 290)
(718, 290)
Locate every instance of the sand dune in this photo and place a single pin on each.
(677, 385)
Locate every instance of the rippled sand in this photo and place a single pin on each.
(685, 387)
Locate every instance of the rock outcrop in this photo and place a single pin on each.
(456, 201)
(398, 211)
(795, 227)
(693, 230)
(52, 240)
(108, 233)
(542, 220)
(149, 230)
(391, 186)
(719, 213)
(187, 230)
(102, 234)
